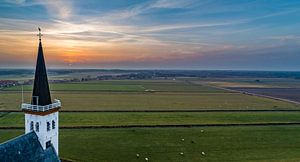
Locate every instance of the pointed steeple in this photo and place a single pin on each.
(41, 94)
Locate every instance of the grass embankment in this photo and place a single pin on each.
(269, 143)
(165, 118)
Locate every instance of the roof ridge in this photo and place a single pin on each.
(15, 138)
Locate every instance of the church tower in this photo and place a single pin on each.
(41, 115)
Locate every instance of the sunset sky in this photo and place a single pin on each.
(156, 34)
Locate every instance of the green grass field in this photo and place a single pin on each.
(68, 119)
(143, 95)
(82, 87)
(239, 143)
(125, 86)
(268, 143)
(150, 101)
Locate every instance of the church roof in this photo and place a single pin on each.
(41, 94)
(27, 148)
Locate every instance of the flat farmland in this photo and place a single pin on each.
(80, 142)
(143, 95)
(126, 86)
(82, 87)
(86, 101)
(292, 94)
(79, 119)
(267, 143)
(280, 88)
(251, 82)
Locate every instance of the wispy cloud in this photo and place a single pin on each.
(284, 37)
(136, 10)
(18, 2)
(60, 9)
(57, 9)
(172, 4)
(145, 31)
(188, 26)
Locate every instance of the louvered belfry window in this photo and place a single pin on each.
(31, 126)
(37, 127)
(53, 124)
(48, 126)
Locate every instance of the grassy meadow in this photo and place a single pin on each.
(126, 86)
(71, 119)
(143, 95)
(218, 143)
(268, 143)
(150, 101)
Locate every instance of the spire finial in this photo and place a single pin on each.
(40, 34)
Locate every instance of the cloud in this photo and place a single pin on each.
(60, 9)
(18, 2)
(188, 26)
(172, 4)
(284, 37)
(136, 10)
(149, 31)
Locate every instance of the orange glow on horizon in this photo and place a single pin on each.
(61, 51)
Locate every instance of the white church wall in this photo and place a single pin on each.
(43, 134)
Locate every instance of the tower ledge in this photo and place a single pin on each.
(38, 108)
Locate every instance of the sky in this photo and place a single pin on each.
(152, 34)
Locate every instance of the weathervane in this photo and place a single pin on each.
(40, 34)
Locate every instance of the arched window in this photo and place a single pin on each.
(37, 127)
(53, 124)
(48, 126)
(31, 126)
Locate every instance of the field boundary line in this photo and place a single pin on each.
(165, 126)
(162, 111)
(4, 114)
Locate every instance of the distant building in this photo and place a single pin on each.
(40, 142)
(8, 83)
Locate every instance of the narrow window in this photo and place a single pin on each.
(37, 127)
(48, 126)
(53, 124)
(31, 126)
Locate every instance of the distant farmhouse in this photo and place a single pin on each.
(40, 141)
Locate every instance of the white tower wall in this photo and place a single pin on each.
(45, 135)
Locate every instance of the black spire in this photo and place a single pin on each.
(41, 94)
